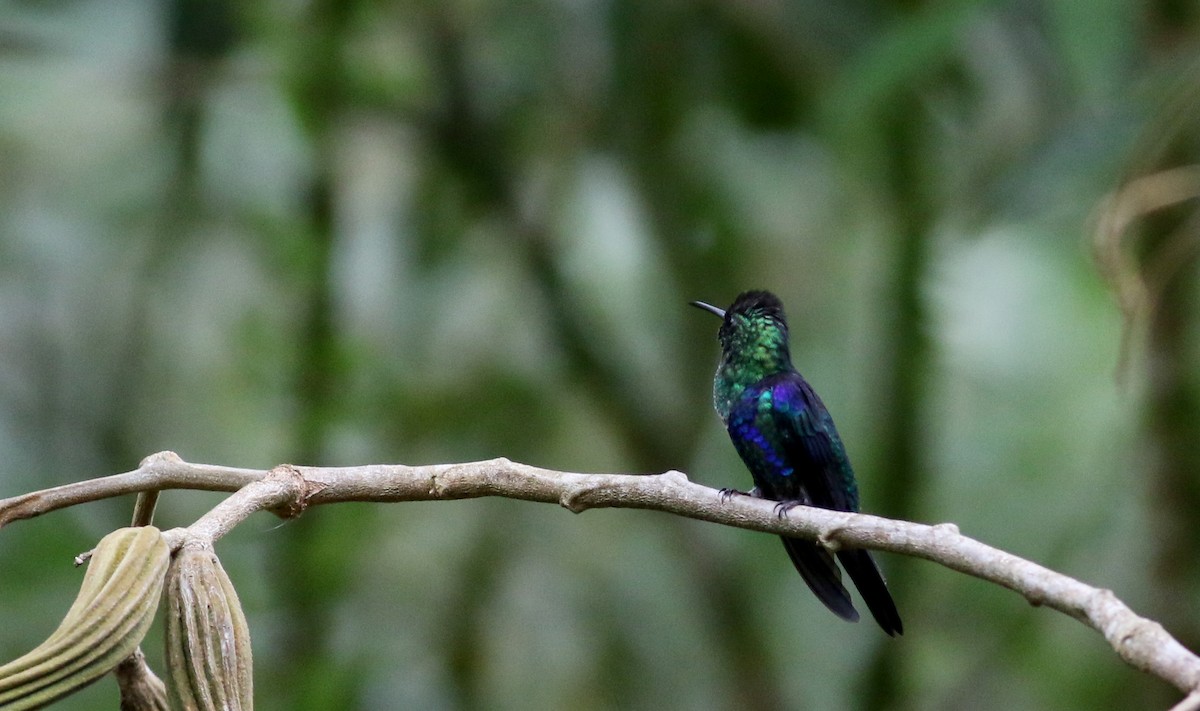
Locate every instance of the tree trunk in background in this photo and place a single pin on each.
(1172, 408)
(311, 576)
(1172, 434)
(895, 490)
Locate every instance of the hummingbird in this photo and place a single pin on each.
(787, 439)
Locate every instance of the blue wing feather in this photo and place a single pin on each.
(811, 442)
(788, 440)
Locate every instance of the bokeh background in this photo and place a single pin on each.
(347, 232)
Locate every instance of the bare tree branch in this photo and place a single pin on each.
(287, 490)
(158, 471)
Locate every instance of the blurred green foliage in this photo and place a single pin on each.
(349, 232)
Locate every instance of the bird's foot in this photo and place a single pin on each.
(783, 507)
(728, 493)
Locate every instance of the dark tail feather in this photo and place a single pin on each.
(866, 576)
(817, 568)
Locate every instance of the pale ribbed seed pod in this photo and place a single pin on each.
(208, 642)
(114, 608)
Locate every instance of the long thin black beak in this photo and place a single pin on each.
(709, 308)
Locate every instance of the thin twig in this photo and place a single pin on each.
(143, 508)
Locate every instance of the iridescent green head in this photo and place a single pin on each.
(754, 344)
